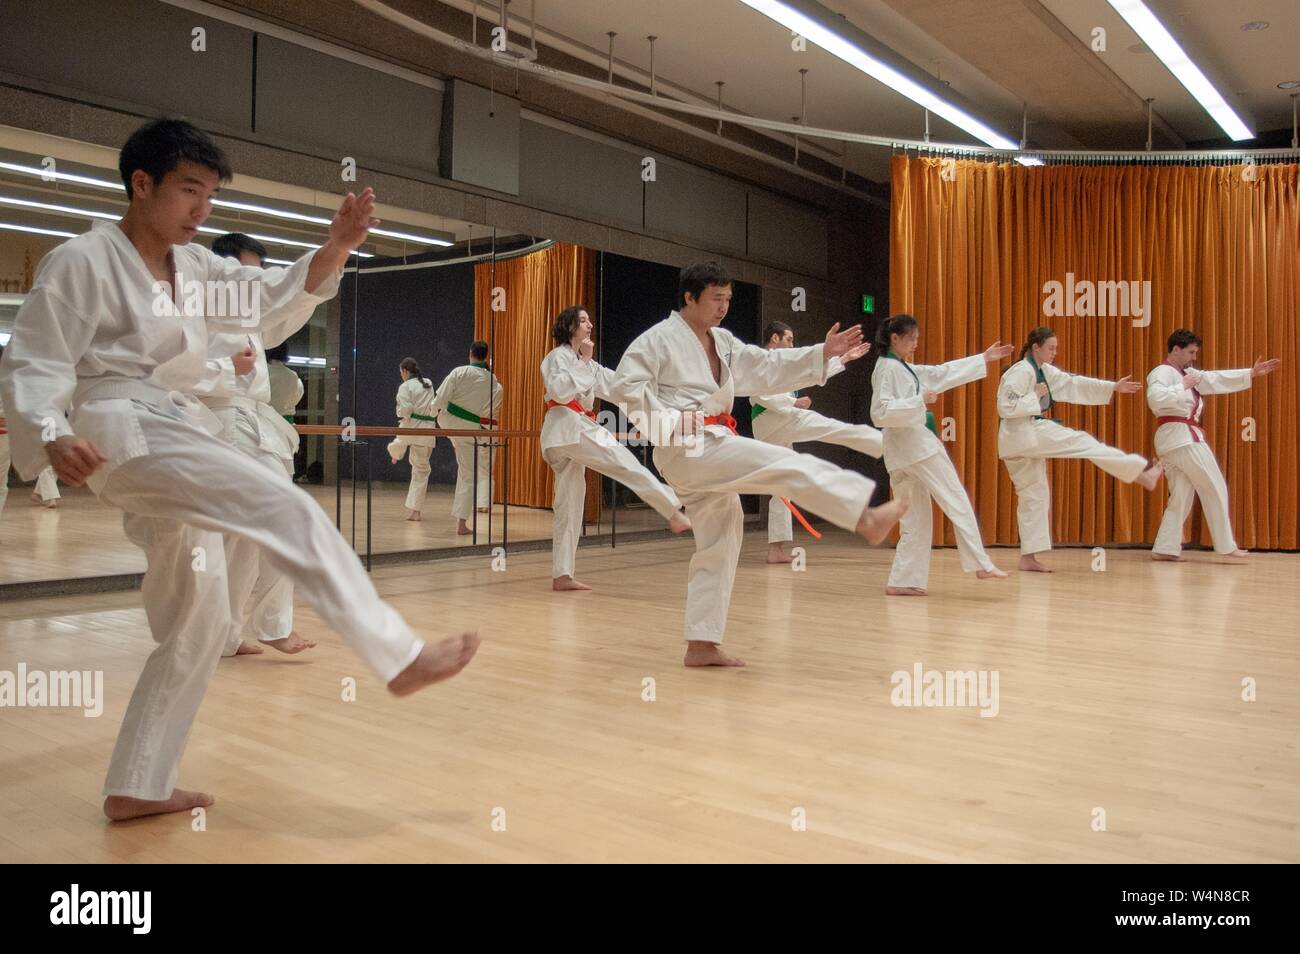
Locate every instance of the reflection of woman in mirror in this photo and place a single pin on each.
(414, 400)
(572, 441)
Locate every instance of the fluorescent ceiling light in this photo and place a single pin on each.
(33, 229)
(1162, 44)
(838, 46)
(113, 217)
(48, 174)
(309, 362)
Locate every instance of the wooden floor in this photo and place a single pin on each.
(83, 537)
(1119, 690)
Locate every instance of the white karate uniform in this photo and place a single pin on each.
(664, 373)
(919, 466)
(47, 485)
(270, 605)
(475, 389)
(571, 442)
(261, 596)
(1190, 466)
(1026, 441)
(88, 337)
(776, 420)
(415, 396)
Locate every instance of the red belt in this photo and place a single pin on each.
(574, 405)
(726, 420)
(1192, 425)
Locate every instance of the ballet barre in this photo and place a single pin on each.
(347, 439)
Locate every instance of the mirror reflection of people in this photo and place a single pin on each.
(90, 337)
(414, 405)
(572, 441)
(786, 418)
(469, 399)
(236, 387)
(46, 492)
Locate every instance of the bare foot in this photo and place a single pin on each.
(122, 807)
(1168, 558)
(436, 662)
(775, 554)
(993, 574)
(42, 502)
(1236, 556)
(482, 509)
(679, 523)
(1029, 564)
(248, 649)
(876, 522)
(415, 516)
(1149, 477)
(291, 644)
(462, 529)
(702, 653)
(563, 583)
(905, 591)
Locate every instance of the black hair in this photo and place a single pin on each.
(413, 366)
(1182, 338)
(777, 328)
(899, 324)
(479, 350)
(232, 244)
(566, 324)
(158, 147)
(1038, 336)
(695, 278)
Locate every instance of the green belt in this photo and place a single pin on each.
(426, 417)
(288, 417)
(755, 410)
(464, 415)
(931, 423)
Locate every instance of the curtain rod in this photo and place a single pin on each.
(793, 129)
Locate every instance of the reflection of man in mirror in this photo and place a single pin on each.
(236, 387)
(92, 336)
(470, 399)
(680, 378)
(785, 418)
(46, 492)
(572, 441)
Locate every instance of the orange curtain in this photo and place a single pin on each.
(972, 246)
(534, 289)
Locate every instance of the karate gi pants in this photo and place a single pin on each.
(178, 500)
(708, 478)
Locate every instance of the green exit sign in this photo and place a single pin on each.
(868, 304)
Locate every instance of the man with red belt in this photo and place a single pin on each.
(678, 380)
(1174, 393)
(469, 399)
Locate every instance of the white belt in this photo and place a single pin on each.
(98, 389)
(236, 400)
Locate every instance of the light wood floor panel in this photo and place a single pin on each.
(1119, 690)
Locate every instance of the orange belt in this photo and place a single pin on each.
(574, 405)
(1191, 426)
(726, 420)
(798, 516)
